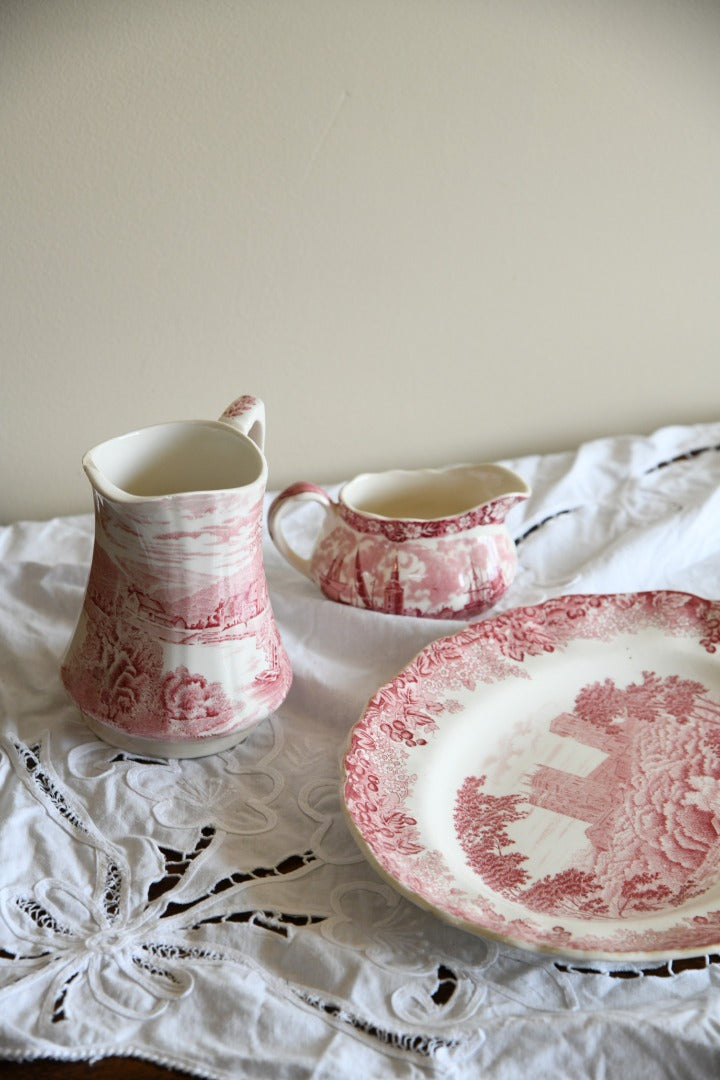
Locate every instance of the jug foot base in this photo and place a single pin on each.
(165, 748)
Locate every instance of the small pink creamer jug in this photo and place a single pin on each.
(176, 652)
(425, 542)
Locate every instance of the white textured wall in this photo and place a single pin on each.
(421, 230)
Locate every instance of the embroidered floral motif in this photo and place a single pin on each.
(124, 937)
(75, 937)
(187, 796)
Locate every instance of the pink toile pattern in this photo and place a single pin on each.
(640, 876)
(651, 805)
(447, 567)
(400, 530)
(437, 574)
(177, 639)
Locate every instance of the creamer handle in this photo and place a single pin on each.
(281, 504)
(247, 414)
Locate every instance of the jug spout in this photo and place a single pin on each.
(499, 508)
(499, 489)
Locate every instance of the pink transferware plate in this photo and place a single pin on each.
(551, 777)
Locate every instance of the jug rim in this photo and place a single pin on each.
(514, 490)
(110, 489)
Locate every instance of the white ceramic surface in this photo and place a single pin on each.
(551, 777)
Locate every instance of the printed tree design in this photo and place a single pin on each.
(481, 820)
(566, 893)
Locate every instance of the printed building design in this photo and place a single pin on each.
(394, 597)
(337, 587)
(343, 585)
(589, 798)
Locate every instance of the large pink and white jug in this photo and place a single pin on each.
(176, 652)
(425, 542)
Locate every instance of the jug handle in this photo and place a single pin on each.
(281, 504)
(247, 415)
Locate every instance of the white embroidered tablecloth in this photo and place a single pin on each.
(215, 914)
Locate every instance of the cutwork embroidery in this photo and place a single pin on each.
(426, 1046)
(320, 801)
(128, 944)
(95, 942)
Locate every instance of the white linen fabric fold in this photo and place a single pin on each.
(215, 914)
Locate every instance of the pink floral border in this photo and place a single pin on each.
(400, 530)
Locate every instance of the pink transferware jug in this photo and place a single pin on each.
(423, 542)
(176, 652)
